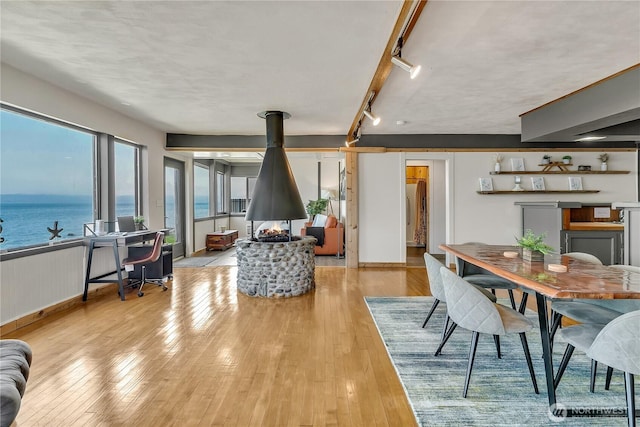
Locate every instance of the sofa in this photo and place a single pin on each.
(15, 361)
(331, 235)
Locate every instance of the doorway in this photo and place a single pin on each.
(417, 187)
(174, 204)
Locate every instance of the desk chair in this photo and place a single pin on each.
(152, 256)
(616, 344)
(471, 310)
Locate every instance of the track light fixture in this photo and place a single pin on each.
(413, 70)
(396, 59)
(373, 117)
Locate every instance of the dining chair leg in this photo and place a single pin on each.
(563, 364)
(472, 356)
(445, 327)
(557, 320)
(527, 355)
(433, 308)
(607, 382)
(523, 303)
(631, 398)
(446, 338)
(512, 299)
(592, 380)
(496, 339)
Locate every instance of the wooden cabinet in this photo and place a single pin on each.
(606, 245)
(221, 240)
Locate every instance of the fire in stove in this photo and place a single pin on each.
(274, 233)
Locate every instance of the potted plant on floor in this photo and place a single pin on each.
(533, 247)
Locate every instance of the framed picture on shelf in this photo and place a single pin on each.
(517, 164)
(486, 184)
(575, 183)
(537, 183)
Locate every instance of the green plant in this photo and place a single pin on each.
(169, 239)
(534, 243)
(315, 207)
(566, 157)
(604, 157)
(138, 220)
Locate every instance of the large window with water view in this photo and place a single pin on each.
(46, 180)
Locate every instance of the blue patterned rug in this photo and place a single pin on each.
(500, 391)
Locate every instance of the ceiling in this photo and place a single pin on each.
(207, 67)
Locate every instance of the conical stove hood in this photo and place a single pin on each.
(275, 195)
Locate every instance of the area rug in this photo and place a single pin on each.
(500, 391)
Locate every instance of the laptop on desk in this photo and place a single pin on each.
(126, 224)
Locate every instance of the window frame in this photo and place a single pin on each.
(103, 187)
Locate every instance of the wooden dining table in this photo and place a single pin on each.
(582, 280)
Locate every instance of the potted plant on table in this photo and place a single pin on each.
(533, 247)
(139, 222)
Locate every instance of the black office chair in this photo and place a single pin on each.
(148, 258)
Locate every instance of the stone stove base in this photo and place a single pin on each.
(276, 270)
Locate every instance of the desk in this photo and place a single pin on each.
(114, 241)
(582, 280)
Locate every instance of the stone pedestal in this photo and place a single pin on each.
(276, 270)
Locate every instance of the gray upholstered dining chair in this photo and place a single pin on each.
(437, 290)
(583, 311)
(471, 310)
(485, 279)
(616, 345)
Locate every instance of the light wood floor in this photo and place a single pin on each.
(202, 354)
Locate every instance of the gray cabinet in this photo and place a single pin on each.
(606, 245)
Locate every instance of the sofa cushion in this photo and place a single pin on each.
(332, 222)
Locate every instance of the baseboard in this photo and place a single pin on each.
(39, 316)
(382, 265)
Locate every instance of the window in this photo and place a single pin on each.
(47, 171)
(241, 191)
(220, 193)
(201, 191)
(126, 157)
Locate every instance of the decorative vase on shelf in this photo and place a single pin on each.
(532, 256)
(496, 168)
(603, 166)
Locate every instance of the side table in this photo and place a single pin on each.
(222, 240)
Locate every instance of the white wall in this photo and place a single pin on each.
(470, 216)
(381, 210)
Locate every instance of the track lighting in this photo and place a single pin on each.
(413, 70)
(374, 118)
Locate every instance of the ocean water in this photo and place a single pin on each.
(25, 218)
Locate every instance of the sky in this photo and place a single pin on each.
(38, 157)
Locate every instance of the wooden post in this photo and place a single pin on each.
(351, 164)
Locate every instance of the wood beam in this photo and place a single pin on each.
(351, 238)
(407, 18)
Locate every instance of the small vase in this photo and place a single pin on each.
(566, 161)
(496, 168)
(532, 256)
(603, 166)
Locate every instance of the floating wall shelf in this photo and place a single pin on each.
(559, 173)
(538, 191)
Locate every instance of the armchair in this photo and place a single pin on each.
(333, 237)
